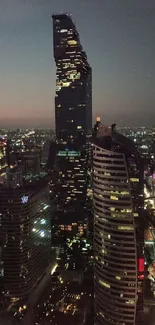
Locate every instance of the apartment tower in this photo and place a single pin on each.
(118, 230)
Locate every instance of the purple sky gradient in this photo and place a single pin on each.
(118, 37)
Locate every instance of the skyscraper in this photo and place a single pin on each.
(26, 236)
(73, 117)
(73, 100)
(118, 230)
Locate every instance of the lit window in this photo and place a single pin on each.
(105, 284)
(72, 42)
(131, 302)
(125, 193)
(134, 180)
(63, 30)
(66, 84)
(125, 227)
(113, 197)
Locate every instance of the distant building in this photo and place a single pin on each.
(3, 159)
(51, 160)
(70, 229)
(26, 236)
(118, 230)
(13, 177)
(1, 270)
(73, 100)
(31, 164)
(96, 126)
(45, 153)
(72, 276)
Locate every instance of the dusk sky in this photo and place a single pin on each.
(119, 39)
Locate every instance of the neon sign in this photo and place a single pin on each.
(141, 264)
(69, 153)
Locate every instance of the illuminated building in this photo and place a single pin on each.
(3, 159)
(77, 227)
(95, 128)
(72, 178)
(73, 100)
(3, 162)
(13, 177)
(118, 230)
(73, 118)
(31, 164)
(149, 236)
(26, 236)
(45, 154)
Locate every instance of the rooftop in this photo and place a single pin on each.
(61, 15)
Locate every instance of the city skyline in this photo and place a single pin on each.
(120, 49)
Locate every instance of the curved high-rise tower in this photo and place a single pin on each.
(118, 230)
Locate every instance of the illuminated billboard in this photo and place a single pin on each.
(68, 153)
(141, 264)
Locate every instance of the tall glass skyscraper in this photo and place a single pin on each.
(73, 100)
(118, 230)
(73, 114)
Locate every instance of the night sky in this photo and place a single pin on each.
(119, 39)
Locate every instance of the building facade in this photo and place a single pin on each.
(73, 100)
(26, 237)
(3, 159)
(73, 119)
(72, 180)
(31, 164)
(118, 230)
